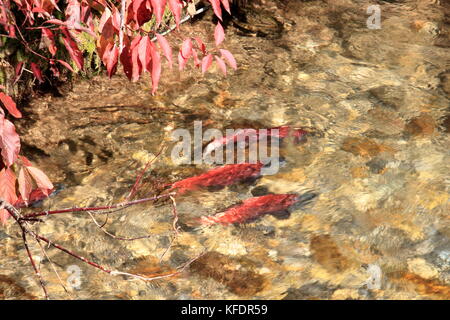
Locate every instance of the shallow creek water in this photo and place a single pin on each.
(377, 105)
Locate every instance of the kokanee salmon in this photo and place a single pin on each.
(254, 135)
(222, 176)
(253, 208)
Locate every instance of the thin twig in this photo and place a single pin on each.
(33, 264)
(175, 215)
(174, 226)
(114, 236)
(84, 209)
(136, 185)
(186, 18)
(53, 266)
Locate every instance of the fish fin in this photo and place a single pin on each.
(303, 200)
(281, 215)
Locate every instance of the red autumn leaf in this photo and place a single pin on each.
(216, 7)
(9, 141)
(221, 65)
(25, 185)
(115, 19)
(73, 13)
(111, 60)
(72, 48)
(38, 10)
(143, 14)
(106, 15)
(25, 161)
(135, 63)
(226, 5)
(219, 34)
(158, 9)
(35, 195)
(186, 48)
(55, 21)
(65, 64)
(18, 71)
(165, 47)
(145, 53)
(175, 7)
(7, 190)
(206, 62)
(41, 179)
(37, 72)
(10, 105)
(125, 60)
(181, 61)
(197, 62)
(229, 58)
(49, 40)
(200, 44)
(134, 8)
(156, 68)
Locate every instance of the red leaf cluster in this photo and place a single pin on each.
(31, 183)
(119, 34)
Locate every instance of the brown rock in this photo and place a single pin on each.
(230, 272)
(364, 147)
(445, 82)
(446, 123)
(426, 287)
(10, 289)
(359, 172)
(422, 125)
(327, 253)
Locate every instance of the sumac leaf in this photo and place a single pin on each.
(18, 72)
(41, 179)
(37, 72)
(221, 65)
(226, 5)
(165, 47)
(7, 190)
(206, 62)
(25, 185)
(186, 48)
(158, 9)
(219, 34)
(175, 7)
(65, 64)
(145, 53)
(200, 44)
(10, 105)
(181, 61)
(49, 40)
(156, 68)
(216, 7)
(9, 141)
(72, 48)
(111, 60)
(229, 58)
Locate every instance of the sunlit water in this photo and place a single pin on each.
(377, 105)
